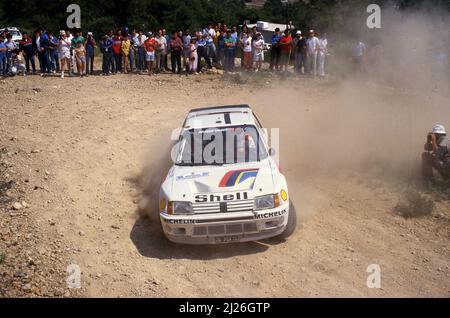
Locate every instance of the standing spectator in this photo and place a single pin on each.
(300, 53)
(229, 52)
(90, 46)
(258, 51)
(286, 47)
(275, 50)
(141, 51)
(235, 37)
(28, 51)
(192, 58)
(10, 48)
(221, 48)
(176, 47)
(80, 58)
(312, 47)
(216, 42)
(3, 50)
(201, 51)
(358, 54)
(126, 44)
(186, 47)
(69, 36)
(161, 51)
(321, 55)
(106, 49)
(132, 52)
(150, 46)
(77, 38)
(244, 32)
(247, 51)
(167, 37)
(117, 51)
(211, 47)
(64, 47)
(45, 45)
(53, 48)
(135, 50)
(40, 51)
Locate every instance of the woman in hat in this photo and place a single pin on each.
(258, 51)
(64, 52)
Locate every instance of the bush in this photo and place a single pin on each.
(414, 204)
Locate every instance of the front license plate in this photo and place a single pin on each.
(227, 239)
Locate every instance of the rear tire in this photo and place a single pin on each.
(292, 222)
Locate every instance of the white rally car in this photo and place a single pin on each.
(224, 185)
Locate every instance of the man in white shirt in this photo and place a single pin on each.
(138, 43)
(312, 48)
(161, 51)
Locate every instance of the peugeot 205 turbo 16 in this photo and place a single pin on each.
(224, 185)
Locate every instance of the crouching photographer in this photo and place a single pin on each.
(436, 154)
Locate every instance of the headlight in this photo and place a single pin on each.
(266, 202)
(180, 207)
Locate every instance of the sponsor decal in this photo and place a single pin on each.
(193, 175)
(179, 221)
(199, 198)
(234, 177)
(269, 215)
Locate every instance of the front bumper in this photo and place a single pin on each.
(218, 228)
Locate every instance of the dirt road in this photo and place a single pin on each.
(77, 146)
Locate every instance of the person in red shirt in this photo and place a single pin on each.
(117, 51)
(286, 47)
(29, 51)
(150, 45)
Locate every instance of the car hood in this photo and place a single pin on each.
(250, 177)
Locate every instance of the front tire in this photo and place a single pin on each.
(292, 222)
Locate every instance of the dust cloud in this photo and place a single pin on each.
(381, 116)
(156, 166)
(374, 122)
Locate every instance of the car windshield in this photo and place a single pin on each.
(221, 145)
